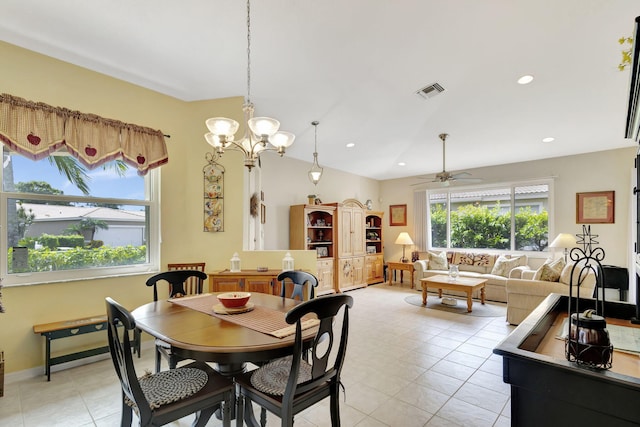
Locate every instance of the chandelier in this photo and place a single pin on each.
(315, 173)
(260, 133)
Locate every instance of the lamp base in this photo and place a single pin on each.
(403, 259)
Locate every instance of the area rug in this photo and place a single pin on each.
(489, 309)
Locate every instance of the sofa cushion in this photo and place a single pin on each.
(469, 261)
(438, 261)
(550, 271)
(504, 265)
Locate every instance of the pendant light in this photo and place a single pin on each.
(315, 173)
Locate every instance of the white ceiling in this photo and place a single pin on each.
(355, 65)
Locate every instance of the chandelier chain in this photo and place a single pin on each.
(248, 52)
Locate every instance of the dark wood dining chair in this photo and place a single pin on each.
(164, 397)
(289, 385)
(298, 278)
(193, 285)
(176, 280)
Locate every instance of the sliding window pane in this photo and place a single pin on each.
(481, 219)
(532, 217)
(438, 215)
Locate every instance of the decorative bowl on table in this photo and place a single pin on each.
(234, 299)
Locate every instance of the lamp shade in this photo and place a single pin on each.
(404, 239)
(264, 126)
(222, 126)
(564, 241)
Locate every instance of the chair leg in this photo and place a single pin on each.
(334, 405)
(225, 407)
(127, 415)
(239, 410)
(263, 417)
(203, 416)
(158, 360)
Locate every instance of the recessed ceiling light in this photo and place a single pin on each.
(525, 80)
(402, 164)
(351, 145)
(548, 139)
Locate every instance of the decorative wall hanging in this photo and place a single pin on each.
(213, 194)
(595, 208)
(397, 215)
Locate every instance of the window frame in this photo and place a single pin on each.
(152, 191)
(484, 187)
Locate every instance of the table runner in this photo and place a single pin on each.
(261, 319)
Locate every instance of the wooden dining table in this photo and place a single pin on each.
(200, 334)
(207, 337)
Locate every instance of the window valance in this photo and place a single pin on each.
(36, 130)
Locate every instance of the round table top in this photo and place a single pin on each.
(201, 336)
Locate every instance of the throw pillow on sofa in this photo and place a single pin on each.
(504, 265)
(438, 261)
(550, 271)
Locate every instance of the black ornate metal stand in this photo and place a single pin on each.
(587, 342)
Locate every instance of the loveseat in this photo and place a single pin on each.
(526, 289)
(495, 268)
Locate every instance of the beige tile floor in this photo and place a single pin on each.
(406, 366)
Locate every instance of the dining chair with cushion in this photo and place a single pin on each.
(177, 289)
(290, 384)
(298, 278)
(164, 397)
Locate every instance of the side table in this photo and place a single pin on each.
(402, 266)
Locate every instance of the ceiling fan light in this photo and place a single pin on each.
(264, 126)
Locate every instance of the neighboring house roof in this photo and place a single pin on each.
(66, 213)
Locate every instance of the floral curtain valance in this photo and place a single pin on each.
(36, 130)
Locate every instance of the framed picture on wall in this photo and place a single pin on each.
(596, 207)
(397, 215)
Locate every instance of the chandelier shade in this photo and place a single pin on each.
(260, 133)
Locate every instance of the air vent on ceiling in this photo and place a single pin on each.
(430, 91)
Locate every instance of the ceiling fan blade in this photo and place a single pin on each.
(460, 175)
(468, 179)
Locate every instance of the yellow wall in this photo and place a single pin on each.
(39, 78)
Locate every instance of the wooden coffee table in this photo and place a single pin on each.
(463, 284)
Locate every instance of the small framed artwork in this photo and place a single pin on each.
(322, 251)
(397, 215)
(596, 207)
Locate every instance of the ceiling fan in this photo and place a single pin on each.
(444, 177)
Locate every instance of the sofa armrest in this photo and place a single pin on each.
(420, 266)
(521, 272)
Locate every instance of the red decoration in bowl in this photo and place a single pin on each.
(234, 299)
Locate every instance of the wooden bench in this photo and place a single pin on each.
(69, 328)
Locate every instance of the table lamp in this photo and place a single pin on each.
(564, 241)
(404, 240)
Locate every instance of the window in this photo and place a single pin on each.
(64, 222)
(512, 217)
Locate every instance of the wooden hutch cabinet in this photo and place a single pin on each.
(350, 269)
(312, 227)
(374, 259)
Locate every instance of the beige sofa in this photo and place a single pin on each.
(524, 293)
(494, 268)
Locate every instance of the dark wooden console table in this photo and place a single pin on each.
(547, 389)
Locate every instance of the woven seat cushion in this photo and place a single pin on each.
(170, 386)
(272, 377)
